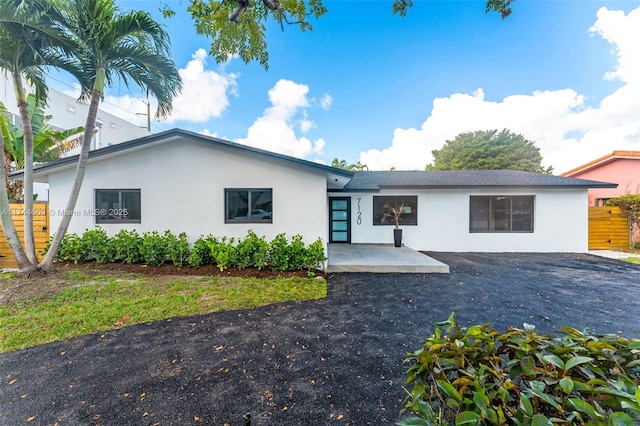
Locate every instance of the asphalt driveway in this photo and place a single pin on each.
(332, 361)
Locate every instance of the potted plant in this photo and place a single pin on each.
(395, 213)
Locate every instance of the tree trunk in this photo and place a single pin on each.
(9, 228)
(47, 262)
(27, 131)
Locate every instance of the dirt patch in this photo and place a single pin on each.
(41, 284)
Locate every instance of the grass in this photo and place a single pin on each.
(100, 303)
(631, 259)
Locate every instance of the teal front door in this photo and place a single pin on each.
(340, 220)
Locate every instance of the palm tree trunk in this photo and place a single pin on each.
(47, 262)
(9, 228)
(27, 131)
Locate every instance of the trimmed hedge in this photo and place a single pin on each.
(153, 248)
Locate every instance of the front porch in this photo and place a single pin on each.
(381, 258)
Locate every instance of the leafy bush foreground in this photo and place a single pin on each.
(478, 376)
(155, 249)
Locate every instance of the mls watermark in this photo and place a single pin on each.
(65, 212)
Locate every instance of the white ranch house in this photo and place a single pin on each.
(188, 182)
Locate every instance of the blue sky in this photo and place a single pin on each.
(367, 85)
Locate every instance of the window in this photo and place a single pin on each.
(248, 205)
(501, 214)
(118, 206)
(410, 215)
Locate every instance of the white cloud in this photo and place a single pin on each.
(205, 95)
(567, 132)
(325, 101)
(204, 92)
(208, 132)
(275, 130)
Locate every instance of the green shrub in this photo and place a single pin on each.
(200, 253)
(297, 253)
(126, 246)
(251, 251)
(222, 252)
(71, 249)
(478, 376)
(154, 249)
(178, 248)
(315, 255)
(96, 245)
(278, 253)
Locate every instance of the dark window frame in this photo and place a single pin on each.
(116, 218)
(491, 215)
(249, 218)
(397, 200)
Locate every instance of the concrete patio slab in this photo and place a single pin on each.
(381, 258)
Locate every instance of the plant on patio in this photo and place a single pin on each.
(394, 213)
(478, 376)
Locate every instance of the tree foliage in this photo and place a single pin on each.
(342, 164)
(239, 27)
(488, 150)
(100, 46)
(629, 207)
(48, 143)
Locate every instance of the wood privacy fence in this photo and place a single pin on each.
(608, 230)
(40, 231)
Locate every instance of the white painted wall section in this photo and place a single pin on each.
(560, 222)
(182, 189)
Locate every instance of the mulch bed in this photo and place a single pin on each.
(171, 269)
(332, 361)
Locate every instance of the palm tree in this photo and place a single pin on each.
(28, 44)
(131, 47)
(8, 227)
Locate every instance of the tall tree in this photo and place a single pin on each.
(28, 44)
(131, 47)
(488, 150)
(238, 27)
(8, 227)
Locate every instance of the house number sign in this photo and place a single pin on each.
(359, 213)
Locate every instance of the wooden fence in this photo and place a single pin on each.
(40, 231)
(608, 230)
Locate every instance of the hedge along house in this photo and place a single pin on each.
(188, 182)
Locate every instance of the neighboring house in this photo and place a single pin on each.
(67, 113)
(188, 182)
(621, 167)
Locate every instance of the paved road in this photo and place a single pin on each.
(332, 361)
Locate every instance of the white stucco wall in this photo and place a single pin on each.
(560, 222)
(182, 189)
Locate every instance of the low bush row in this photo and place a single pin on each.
(155, 249)
(478, 376)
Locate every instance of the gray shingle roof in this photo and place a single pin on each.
(373, 181)
(184, 134)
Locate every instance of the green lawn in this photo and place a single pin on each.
(98, 303)
(631, 259)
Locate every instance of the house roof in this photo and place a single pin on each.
(179, 134)
(375, 181)
(635, 155)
